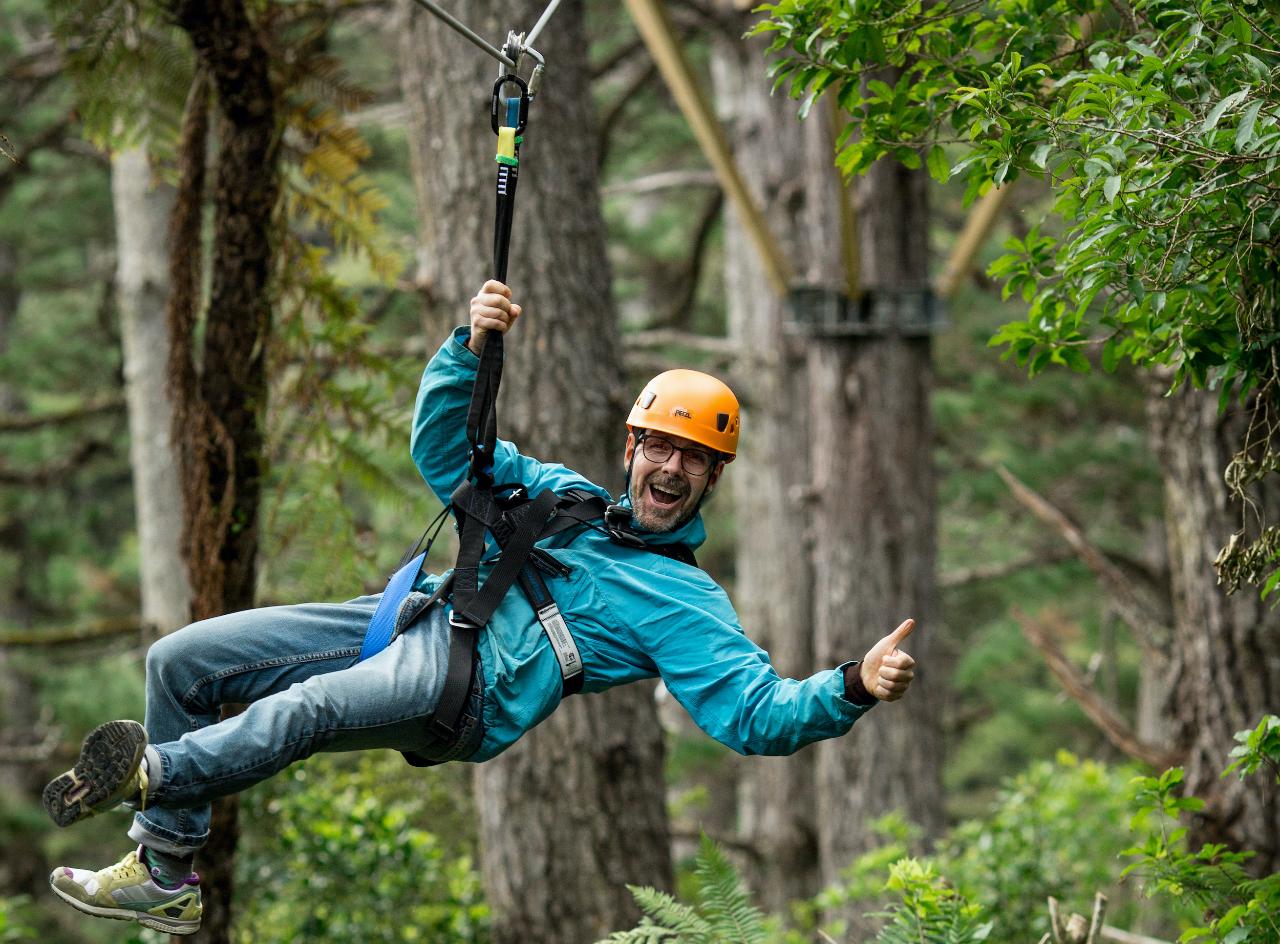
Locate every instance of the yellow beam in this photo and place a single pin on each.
(664, 45)
(983, 216)
(977, 227)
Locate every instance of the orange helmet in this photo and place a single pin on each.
(691, 405)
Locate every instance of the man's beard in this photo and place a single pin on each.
(659, 522)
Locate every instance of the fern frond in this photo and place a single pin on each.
(665, 910)
(724, 897)
(131, 70)
(644, 933)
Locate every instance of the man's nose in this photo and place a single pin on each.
(672, 465)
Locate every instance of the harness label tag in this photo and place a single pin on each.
(557, 631)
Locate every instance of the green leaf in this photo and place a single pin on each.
(1111, 187)
(1244, 134)
(1244, 33)
(1040, 156)
(1211, 120)
(939, 168)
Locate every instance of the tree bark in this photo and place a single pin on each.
(19, 875)
(219, 403)
(577, 809)
(143, 206)
(875, 548)
(1225, 659)
(788, 165)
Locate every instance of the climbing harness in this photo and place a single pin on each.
(505, 512)
(515, 520)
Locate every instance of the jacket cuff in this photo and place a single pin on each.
(457, 346)
(854, 691)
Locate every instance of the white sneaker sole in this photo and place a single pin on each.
(155, 922)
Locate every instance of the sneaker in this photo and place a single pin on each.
(128, 891)
(109, 772)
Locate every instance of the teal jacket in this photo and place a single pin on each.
(633, 614)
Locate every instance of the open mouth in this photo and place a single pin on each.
(663, 498)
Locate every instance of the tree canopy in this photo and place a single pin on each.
(1156, 126)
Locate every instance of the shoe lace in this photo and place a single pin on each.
(127, 868)
(143, 783)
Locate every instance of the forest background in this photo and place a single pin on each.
(1051, 493)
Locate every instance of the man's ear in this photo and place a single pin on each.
(630, 450)
(714, 476)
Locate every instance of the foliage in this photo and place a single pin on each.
(1256, 748)
(344, 859)
(1157, 126)
(13, 926)
(1055, 829)
(930, 910)
(1234, 908)
(721, 914)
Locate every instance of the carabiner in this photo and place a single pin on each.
(497, 104)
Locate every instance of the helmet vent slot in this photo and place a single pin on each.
(722, 422)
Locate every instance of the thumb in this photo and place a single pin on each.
(905, 628)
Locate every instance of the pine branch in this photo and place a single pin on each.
(23, 422)
(1100, 712)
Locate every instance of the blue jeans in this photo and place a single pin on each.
(296, 668)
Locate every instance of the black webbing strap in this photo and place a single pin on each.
(482, 416)
(473, 603)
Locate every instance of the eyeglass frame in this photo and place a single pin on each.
(712, 456)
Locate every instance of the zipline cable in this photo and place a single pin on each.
(472, 602)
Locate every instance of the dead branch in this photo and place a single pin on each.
(1103, 715)
(664, 180)
(1128, 937)
(601, 69)
(609, 120)
(968, 575)
(690, 273)
(722, 348)
(1150, 634)
(42, 750)
(751, 850)
(23, 422)
(72, 635)
(44, 475)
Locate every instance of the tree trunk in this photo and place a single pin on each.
(219, 404)
(577, 809)
(1225, 659)
(789, 167)
(24, 874)
(142, 206)
(875, 550)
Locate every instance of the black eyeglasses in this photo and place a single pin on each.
(693, 460)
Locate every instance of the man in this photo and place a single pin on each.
(635, 609)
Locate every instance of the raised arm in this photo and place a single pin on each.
(438, 442)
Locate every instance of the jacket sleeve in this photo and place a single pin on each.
(439, 444)
(726, 683)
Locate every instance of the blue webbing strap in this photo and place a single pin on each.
(383, 625)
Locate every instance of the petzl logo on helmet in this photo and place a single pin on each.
(681, 411)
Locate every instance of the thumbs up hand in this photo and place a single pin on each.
(886, 670)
